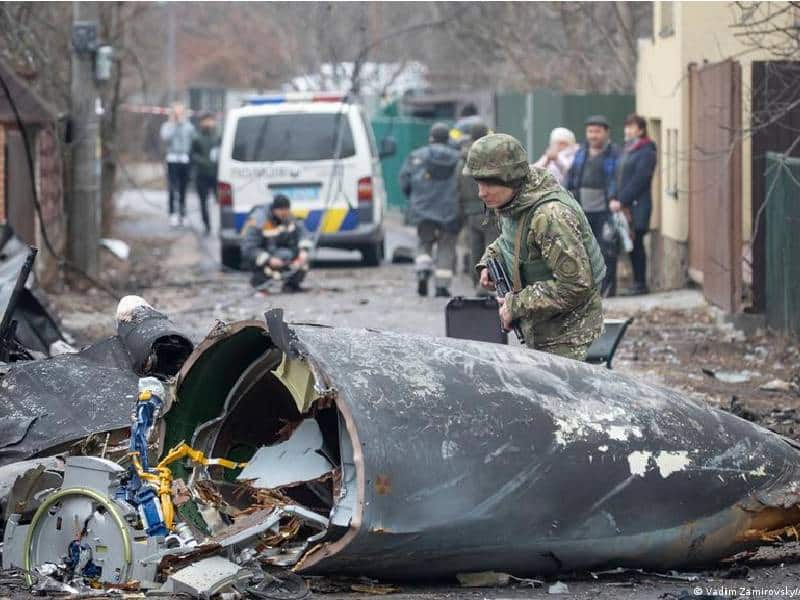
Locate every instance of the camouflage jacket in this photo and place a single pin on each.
(561, 313)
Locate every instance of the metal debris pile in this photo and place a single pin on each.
(215, 471)
(95, 524)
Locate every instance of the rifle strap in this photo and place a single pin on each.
(524, 225)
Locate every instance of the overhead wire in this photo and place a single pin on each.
(61, 261)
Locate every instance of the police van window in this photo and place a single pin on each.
(266, 138)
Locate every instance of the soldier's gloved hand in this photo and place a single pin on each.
(486, 281)
(505, 314)
(262, 259)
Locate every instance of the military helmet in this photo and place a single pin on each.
(439, 133)
(497, 156)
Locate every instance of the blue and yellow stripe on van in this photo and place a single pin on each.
(328, 221)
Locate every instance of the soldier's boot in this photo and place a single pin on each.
(423, 265)
(422, 282)
(443, 278)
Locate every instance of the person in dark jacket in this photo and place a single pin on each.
(428, 178)
(275, 246)
(634, 196)
(592, 181)
(204, 156)
(480, 233)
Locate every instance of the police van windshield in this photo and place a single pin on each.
(268, 138)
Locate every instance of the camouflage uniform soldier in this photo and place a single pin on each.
(547, 247)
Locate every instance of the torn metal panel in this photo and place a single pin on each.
(299, 380)
(295, 460)
(66, 398)
(460, 456)
(21, 484)
(206, 577)
(14, 429)
(36, 330)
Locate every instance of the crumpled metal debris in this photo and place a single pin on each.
(47, 405)
(730, 376)
(494, 579)
(559, 587)
(207, 577)
(36, 332)
(408, 456)
(118, 248)
(779, 385)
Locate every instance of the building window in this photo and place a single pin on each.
(671, 163)
(666, 12)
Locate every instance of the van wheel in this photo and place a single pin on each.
(372, 255)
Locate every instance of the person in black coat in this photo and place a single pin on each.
(634, 196)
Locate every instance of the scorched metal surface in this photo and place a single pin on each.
(473, 456)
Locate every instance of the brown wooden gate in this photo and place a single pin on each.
(715, 181)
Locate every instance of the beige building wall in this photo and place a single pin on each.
(685, 33)
(661, 93)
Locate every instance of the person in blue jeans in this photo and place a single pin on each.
(592, 180)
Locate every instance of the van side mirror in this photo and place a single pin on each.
(388, 147)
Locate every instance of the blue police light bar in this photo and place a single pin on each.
(297, 97)
(259, 100)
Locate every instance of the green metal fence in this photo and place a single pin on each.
(550, 109)
(782, 214)
(410, 134)
(510, 115)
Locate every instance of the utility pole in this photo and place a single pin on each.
(171, 52)
(84, 205)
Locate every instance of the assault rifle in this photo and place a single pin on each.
(498, 275)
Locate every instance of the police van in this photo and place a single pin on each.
(317, 149)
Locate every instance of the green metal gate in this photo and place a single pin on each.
(783, 243)
(410, 134)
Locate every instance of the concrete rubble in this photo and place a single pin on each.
(327, 451)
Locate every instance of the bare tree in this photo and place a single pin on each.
(566, 46)
(35, 39)
(770, 26)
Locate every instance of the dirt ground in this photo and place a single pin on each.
(675, 340)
